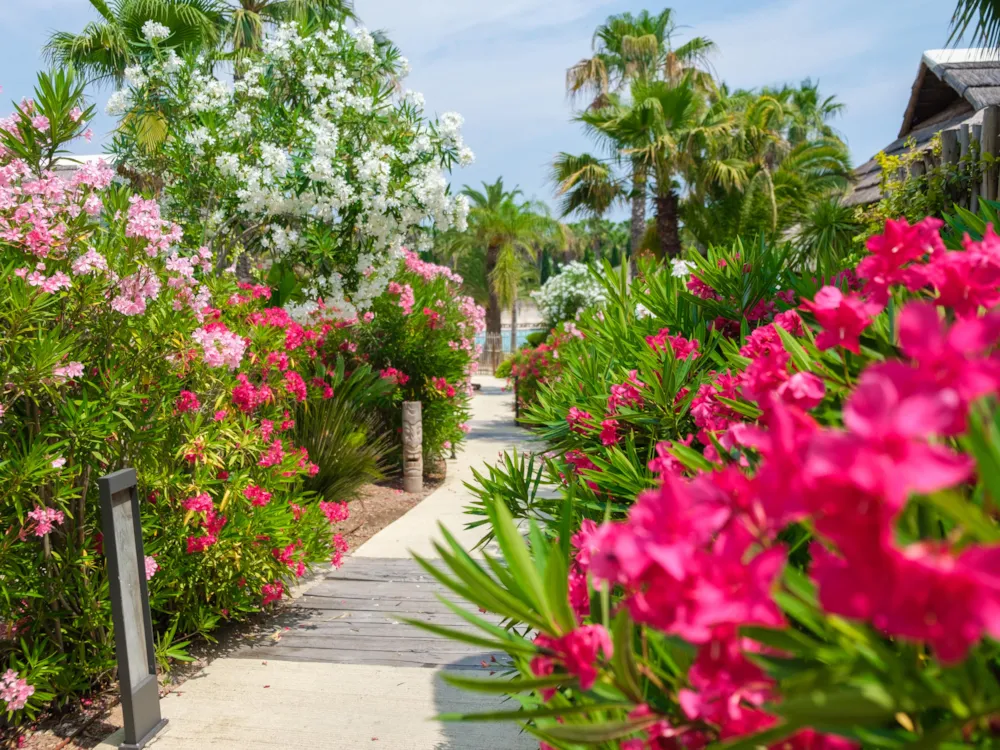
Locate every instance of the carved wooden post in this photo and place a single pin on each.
(413, 446)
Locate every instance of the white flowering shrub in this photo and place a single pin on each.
(312, 157)
(563, 296)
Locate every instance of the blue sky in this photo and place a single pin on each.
(501, 63)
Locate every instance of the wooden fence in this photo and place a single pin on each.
(959, 146)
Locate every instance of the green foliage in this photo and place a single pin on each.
(912, 189)
(343, 434)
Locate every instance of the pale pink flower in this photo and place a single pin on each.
(58, 463)
(69, 371)
(46, 518)
(151, 567)
(41, 122)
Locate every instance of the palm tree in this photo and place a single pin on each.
(504, 231)
(983, 16)
(664, 127)
(629, 48)
(769, 171)
(247, 20)
(106, 47)
(586, 184)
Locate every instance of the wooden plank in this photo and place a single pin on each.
(991, 128)
(949, 147)
(352, 642)
(323, 616)
(383, 660)
(964, 139)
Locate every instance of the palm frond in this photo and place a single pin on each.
(982, 17)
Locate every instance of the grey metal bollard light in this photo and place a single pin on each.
(140, 693)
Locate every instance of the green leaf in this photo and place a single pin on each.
(506, 687)
(803, 362)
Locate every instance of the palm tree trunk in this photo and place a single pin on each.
(513, 327)
(638, 204)
(493, 303)
(667, 225)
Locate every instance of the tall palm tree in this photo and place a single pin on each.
(629, 48)
(106, 47)
(982, 16)
(504, 231)
(665, 127)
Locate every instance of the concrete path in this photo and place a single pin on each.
(340, 670)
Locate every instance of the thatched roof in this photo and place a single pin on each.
(952, 88)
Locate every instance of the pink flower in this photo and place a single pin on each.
(186, 402)
(151, 567)
(222, 347)
(75, 114)
(391, 373)
(578, 420)
(577, 651)
(258, 496)
(335, 512)
(199, 503)
(40, 122)
(272, 592)
(891, 251)
(843, 318)
(626, 394)
(609, 432)
(681, 347)
(69, 371)
(804, 390)
(90, 262)
(465, 428)
(219, 415)
(15, 690)
(46, 519)
(58, 463)
(275, 454)
(295, 385)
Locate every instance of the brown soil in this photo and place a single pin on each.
(87, 724)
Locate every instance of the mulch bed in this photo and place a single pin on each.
(87, 724)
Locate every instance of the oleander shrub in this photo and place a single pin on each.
(775, 530)
(121, 347)
(421, 338)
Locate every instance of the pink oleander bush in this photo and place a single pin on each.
(121, 347)
(421, 337)
(774, 522)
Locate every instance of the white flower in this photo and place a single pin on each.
(136, 76)
(364, 41)
(153, 30)
(681, 269)
(118, 103)
(567, 294)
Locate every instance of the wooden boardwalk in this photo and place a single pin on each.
(355, 615)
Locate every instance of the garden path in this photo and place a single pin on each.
(340, 669)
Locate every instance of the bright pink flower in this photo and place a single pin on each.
(682, 348)
(665, 462)
(335, 512)
(626, 394)
(391, 373)
(219, 415)
(272, 592)
(578, 420)
(891, 251)
(965, 280)
(295, 385)
(275, 454)
(843, 318)
(199, 503)
(339, 545)
(609, 432)
(803, 389)
(187, 401)
(577, 651)
(258, 496)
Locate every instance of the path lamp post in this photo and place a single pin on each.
(130, 608)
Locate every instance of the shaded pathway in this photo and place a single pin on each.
(340, 669)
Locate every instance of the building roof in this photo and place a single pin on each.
(952, 88)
